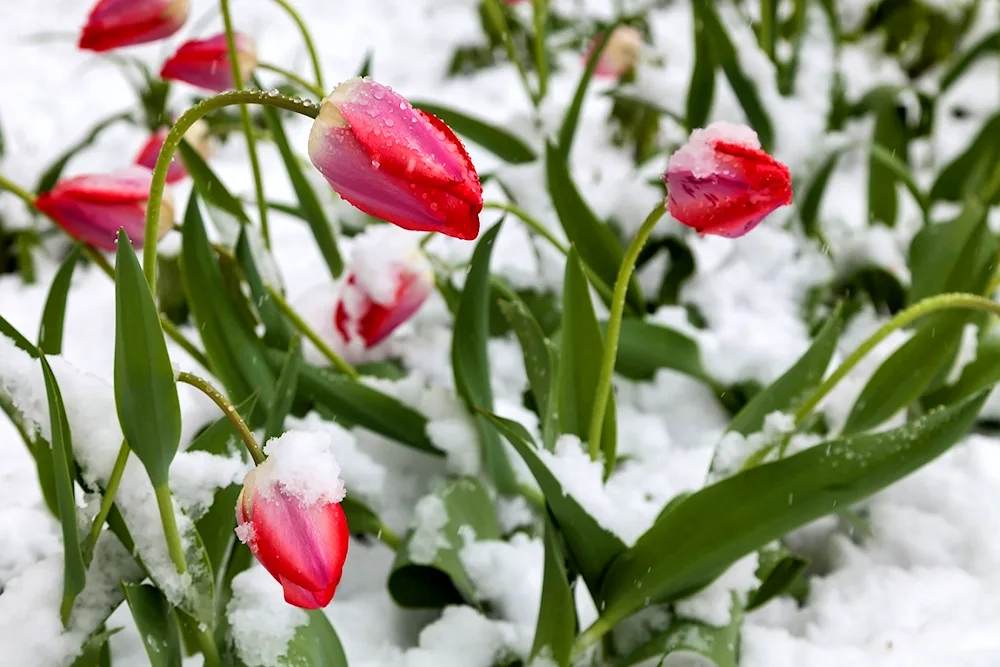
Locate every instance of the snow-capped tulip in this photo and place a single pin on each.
(205, 62)
(116, 23)
(620, 54)
(394, 162)
(196, 136)
(92, 208)
(302, 545)
(721, 182)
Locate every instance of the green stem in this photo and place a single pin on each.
(625, 271)
(292, 76)
(541, 15)
(108, 499)
(388, 537)
(15, 189)
(207, 645)
(174, 546)
(597, 629)
(309, 333)
(540, 229)
(171, 142)
(228, 409)
(496, 15)
(903, 318)
(258, 181)
(307, 38)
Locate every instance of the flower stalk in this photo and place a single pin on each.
(229, 410)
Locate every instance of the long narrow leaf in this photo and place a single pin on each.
(50, 334)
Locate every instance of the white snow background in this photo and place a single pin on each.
(922, 591)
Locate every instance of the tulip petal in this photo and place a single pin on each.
(372, 321)
(117, 23)
(205, 62)
(151, 151)
(304, 598)
(304, 545)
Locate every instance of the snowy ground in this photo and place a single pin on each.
(922, 591)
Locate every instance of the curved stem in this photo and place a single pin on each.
(228, 409)
(165, 503)
(495, 12)
(108, 499)
(903, 318)
(307, 38)
(258, 181)
(292, 76)
(171, 142)
(309, 333)
(388, 537)
(15, 189)
(597, 629)
(625, 271)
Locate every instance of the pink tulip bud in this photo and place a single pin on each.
(720, 182)
(196, 136)
(93, 208)
(395, 162)
(205, 62)
(620, 54)
(289, 515)
(116, 23)
(387, 282)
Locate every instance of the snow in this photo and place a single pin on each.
(196, 476)
(698, 155)
(508, 575)
(379, 255)
(302, 464)
(427, 539)
(261, 624)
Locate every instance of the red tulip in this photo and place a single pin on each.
(93, 208)
(720, 182)
(620, 54)
(370, 307)
(116, 23)
(196, 136)
(303, 546)
(394, 162)
(205, 62)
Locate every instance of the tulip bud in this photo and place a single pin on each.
(395, 162)
(93, 208)
(196, 136)
(720, 182)
(116, 23)
(387, 282)
(621, 53)
(205, 62)
(289, 515)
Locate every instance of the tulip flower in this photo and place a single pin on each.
(621, 53)
(300, 539)
(385, 285)
(205, 62)
(721, 182)
(92, 208)
(196, 136)
(116, 23)
(394, 162)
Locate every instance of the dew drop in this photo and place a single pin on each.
(376, 164)
(378, 94)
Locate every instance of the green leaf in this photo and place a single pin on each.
(724, 53)
(591, 546)
(234, 351)
(217, 436)
(505, 145)
(971, 172)
(727, 520)
(145, 391)
(701, 91)
(366, 64)
(216, 528)
(556, 628)
(644, 348)
(20, 342)
(51, 175)
(277, 332)
(813, 196)
(284, 391)
(74, 571)
(308, 202)
(597, 244)
(361, 518)
(789, 391)
(777, 579)
(940, 254)
(980, 374)
(95, 652)
(226, 209)
(155, 623)
(50, 334)
(890, 133)
(692, 643)
(199, 595)
(432, 575)
(634, 98)
(356, 404)
(901, 171)
(470, 363)
(572, 117)
(314, 645)
(580, 353)
(987, 45)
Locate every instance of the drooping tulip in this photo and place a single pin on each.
(196, 136)
(205, 62)
(721, 182)
(620, 54)
(92, 208)
(394, 162)
(116, 23)
(387, 282)
(289, 515)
